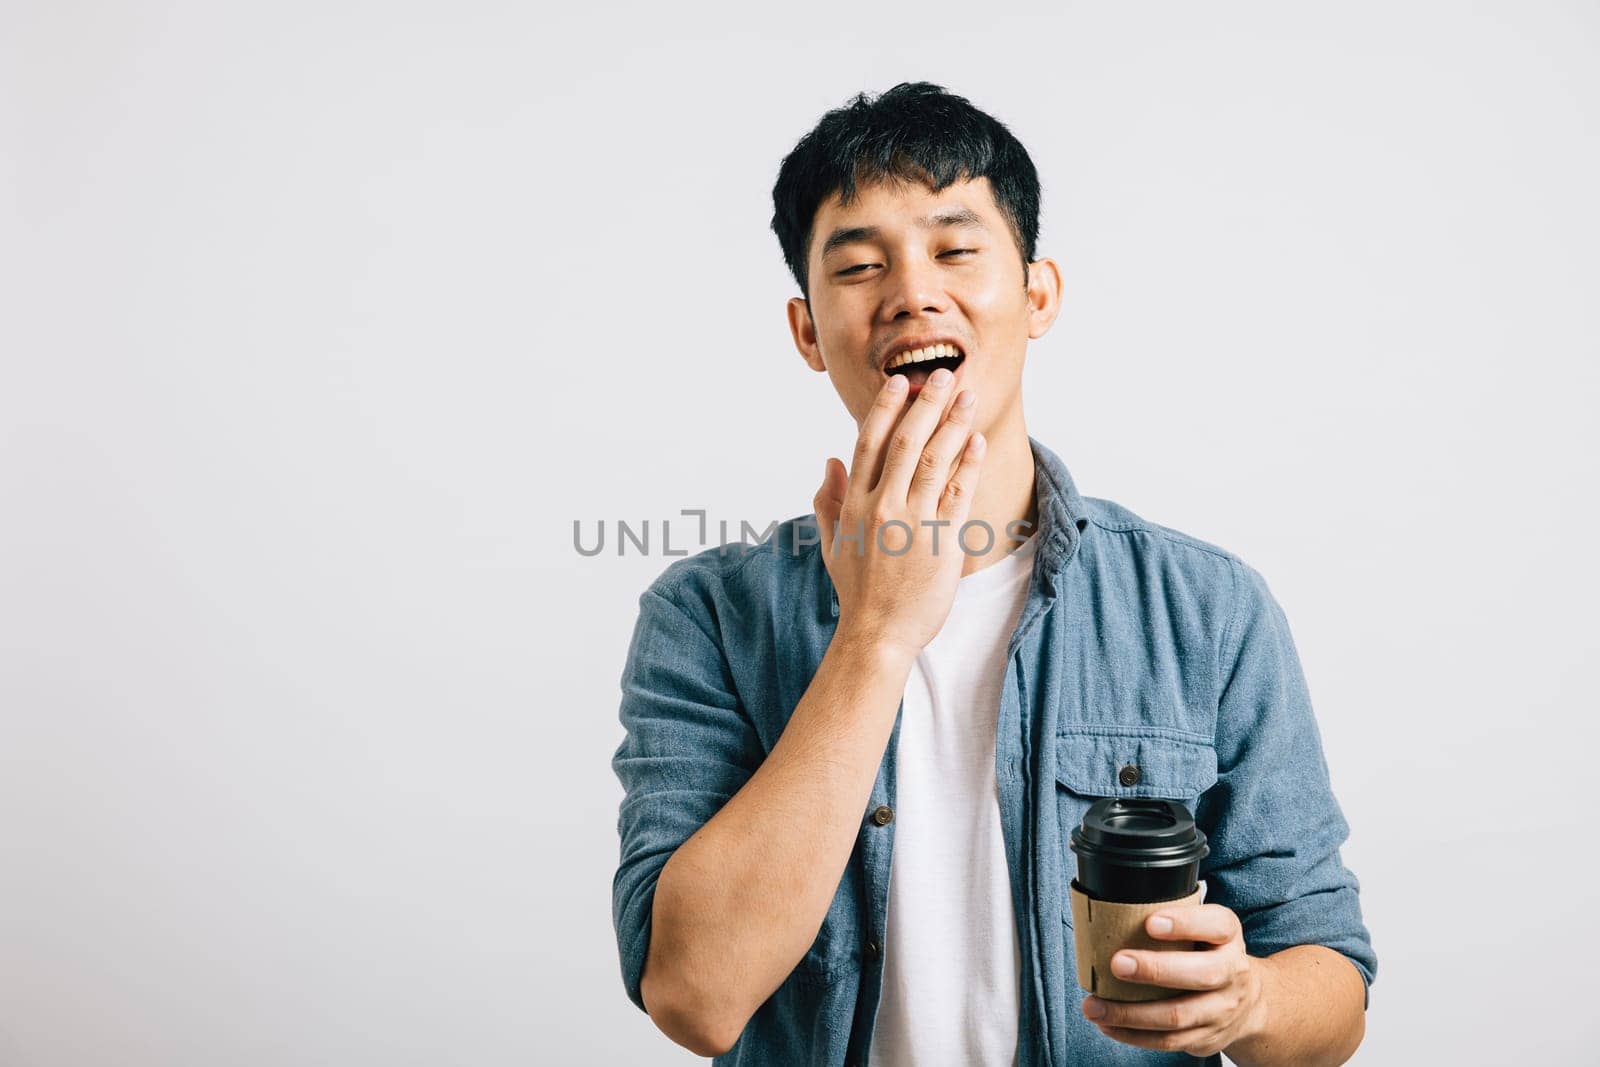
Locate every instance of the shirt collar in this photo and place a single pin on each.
(1062, 517)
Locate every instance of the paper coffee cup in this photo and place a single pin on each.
(1135, 856)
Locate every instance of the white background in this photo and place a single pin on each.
(323, 322)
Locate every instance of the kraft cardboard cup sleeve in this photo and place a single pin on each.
(1134, 855)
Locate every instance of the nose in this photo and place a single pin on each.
(914, 289)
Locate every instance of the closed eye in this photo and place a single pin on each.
(859, 267)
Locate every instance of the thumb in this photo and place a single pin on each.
(829, 501)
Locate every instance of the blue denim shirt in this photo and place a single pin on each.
(1137, 645)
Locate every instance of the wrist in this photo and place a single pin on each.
(872, 650)
(1254, 1026)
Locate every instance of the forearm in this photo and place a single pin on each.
(1309, 1011)
(740, 902)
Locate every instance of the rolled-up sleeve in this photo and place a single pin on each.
(1274, 825)
(689, 747)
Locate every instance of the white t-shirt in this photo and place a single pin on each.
(951, 961)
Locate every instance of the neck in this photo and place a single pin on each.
(1005, 494)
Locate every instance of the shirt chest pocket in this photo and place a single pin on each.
(1125, 761)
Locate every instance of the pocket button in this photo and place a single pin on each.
(1129, 775)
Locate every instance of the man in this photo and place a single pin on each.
(855, 752)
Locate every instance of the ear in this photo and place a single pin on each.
(1044, 296)
(805, 333)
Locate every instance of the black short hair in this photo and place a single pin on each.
(914, 132)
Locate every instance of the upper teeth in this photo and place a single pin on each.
(917, 355)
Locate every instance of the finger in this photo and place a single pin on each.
(911, 434)
(875, 430)
(1211, 923)
(955, 503)
(1188, 1012)
(1210, 968)
(1163, 1040)
(944, 448)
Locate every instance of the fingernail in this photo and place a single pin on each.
(1093, 1009)
(897, 383)
(1160, 924)
(939, 377)
(964, 400)
(1123, 966)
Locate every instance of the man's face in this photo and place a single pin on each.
(903, 265)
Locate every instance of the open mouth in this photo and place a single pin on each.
(917, 364)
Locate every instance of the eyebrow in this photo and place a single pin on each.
(955, 216)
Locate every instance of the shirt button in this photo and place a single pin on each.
(883, 815)
(873, 950)
(1129, 775)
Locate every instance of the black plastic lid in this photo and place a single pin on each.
(1138, 832)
